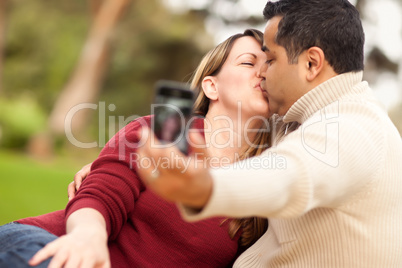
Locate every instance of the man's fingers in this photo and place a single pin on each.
(145, 167)
(198, 146)
(152, 155)
(71, 190)
(81, 175)
(145, 137)
(78, 178)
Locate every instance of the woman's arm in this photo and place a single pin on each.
(84, 245)
(102, 205)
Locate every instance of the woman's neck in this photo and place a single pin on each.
(227, 137)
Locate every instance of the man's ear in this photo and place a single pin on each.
(209, 87)
(315, 62)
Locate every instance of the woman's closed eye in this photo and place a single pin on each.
(247, 63)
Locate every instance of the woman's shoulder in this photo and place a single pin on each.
(140, 122)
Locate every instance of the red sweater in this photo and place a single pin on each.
(144, 230)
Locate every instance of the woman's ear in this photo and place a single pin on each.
(315, 62)
(209, 87)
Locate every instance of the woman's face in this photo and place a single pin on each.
(238, 82)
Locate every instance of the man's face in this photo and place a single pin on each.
(283, 81)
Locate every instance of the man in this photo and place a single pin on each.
(337, 201)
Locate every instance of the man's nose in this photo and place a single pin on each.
(263, 70)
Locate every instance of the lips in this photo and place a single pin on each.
(262, 85)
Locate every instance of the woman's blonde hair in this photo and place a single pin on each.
(251, 228)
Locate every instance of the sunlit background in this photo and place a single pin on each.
(381, 19)
(106, 55)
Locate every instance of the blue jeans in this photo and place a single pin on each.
(19, 242)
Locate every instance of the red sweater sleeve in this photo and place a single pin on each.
(144, 229)
(112, 187)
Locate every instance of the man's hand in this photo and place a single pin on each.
(78, 179)
(172, 175)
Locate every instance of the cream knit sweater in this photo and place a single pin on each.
(332, 189)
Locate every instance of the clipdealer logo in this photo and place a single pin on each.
(326, 124)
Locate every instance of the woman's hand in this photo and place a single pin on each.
(84, 246)
(78, 179)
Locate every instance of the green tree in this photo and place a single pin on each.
(44, 49)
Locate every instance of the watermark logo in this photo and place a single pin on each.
(222, 132)
(326, 125)
(266, 161)
(120, 121)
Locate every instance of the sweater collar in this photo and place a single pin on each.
(322, 95)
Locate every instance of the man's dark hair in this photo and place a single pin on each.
(332, 25)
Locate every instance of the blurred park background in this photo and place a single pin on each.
(73, 72)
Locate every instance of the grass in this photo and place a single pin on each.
(29, 187)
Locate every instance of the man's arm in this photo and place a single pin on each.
(310, 168)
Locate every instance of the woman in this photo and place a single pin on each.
(113, 214)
